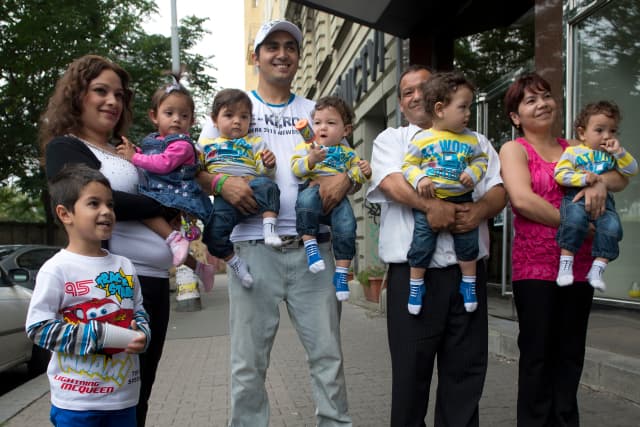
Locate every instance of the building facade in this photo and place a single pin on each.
(587, 49)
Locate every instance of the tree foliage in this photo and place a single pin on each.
(487, 58)
(41, 37)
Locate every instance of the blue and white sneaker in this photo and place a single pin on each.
(468, 292)
(341, 285)
(416, 291)
(314, 260)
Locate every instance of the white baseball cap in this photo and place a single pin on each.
(277, 25)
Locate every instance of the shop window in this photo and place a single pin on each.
(606, 65)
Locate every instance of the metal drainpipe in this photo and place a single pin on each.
(398, 72)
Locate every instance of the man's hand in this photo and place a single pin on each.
(236, 191)
(268, 159)
(595, 197)
(468, 217)
(440, 214)
(332, 189)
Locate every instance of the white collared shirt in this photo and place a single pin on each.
(396, 220)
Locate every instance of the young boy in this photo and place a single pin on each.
(445, 161)
(581, 166)
(327, 155)
(87, 309)
(236, 153)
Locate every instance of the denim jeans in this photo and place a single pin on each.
(425, 239)
(224, 216)
(574, 226)
(281, 275)
(309, 216)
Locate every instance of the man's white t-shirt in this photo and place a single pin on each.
(396, 220)
(276, 125)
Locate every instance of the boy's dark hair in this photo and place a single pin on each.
(65, 187)
(441, 87)
(175, 87)
(608, 108)
(412, 69)
(344, 109)
(229, 97)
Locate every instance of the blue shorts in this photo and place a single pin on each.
(116, 418)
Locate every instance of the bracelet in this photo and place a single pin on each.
(219, 184)
(214, 182)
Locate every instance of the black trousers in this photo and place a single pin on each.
(155, 292)
(553, 329)
(443, 328)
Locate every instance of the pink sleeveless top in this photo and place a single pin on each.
(535, 253)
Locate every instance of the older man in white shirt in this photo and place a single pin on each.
(443, 327)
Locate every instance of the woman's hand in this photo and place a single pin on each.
(595, 197)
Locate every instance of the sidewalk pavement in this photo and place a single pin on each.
(193, 381)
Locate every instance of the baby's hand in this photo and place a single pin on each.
(612, 146)
(426, 188)
(365, 168)
(126, 149)
(592, 178)
(316, 154)
(137, 344)
(466, 180)
(269, 159)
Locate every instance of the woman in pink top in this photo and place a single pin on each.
(552, 319)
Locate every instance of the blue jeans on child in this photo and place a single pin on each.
(309, 216)
(425, 238)
(224, 216)
(574, 226)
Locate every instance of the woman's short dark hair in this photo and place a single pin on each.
(515, 92)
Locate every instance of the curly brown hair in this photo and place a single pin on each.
(608, 108)
(64, 110)
(344, 109)
(441, 87)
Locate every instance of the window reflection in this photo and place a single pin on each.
(607, 64)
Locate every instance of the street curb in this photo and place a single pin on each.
(603, 371)
(20, 397)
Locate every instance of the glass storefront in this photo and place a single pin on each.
(604, 63)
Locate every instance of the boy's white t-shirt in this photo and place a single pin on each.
(77, 286)
(276, 126)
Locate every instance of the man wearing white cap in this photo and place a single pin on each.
(281, 274)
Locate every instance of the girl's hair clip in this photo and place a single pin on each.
(173, 86)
